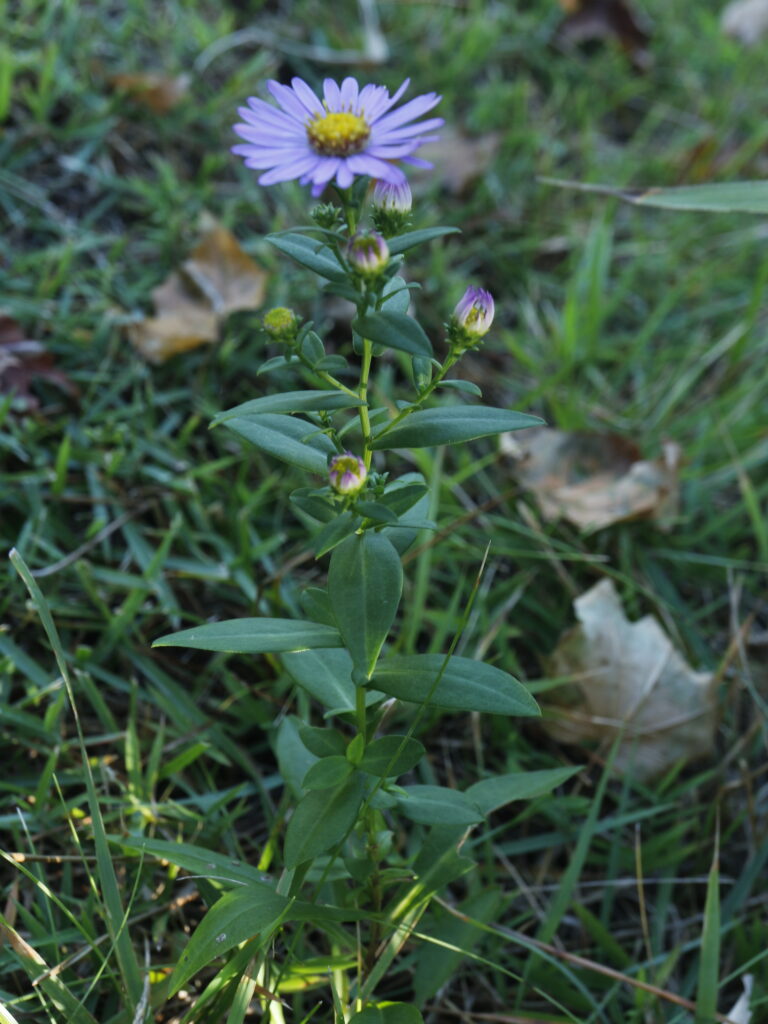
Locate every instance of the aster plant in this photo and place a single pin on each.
(363, 845)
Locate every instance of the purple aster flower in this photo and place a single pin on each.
(350, 132)
(347, 473)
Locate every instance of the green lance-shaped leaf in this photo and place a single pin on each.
(713, 197)
(394, 330)
(290, 401)
(452, 425)
(195, 859)
(401, 243)
(365, 581)
(438, 805)
(254, 636)
(242, 914)
(309, 253)
(321, 820)
(287, 438)
(465, 685)
(327, 773)
(498, 790)
(390, 756)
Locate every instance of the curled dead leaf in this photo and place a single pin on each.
(595, 480)
(745, 20)
(460, 160)
(603, 20)
(23, 361)
(159, 93)
(628, 679)
(217, 279)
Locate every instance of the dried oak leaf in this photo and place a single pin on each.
(618, 20)
(745, 20)
(217, 279)
(22, 361)
(630, 679)
(160, 93)
(595, 480)
(459, 160)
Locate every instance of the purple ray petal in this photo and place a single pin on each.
(307, 96)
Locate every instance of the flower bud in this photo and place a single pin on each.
(281, 324)
(393, 198)
(368, 253)
(391, 207)
(347, 473)
(474, 312)
(471, 320)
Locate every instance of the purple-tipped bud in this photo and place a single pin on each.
(393, 198)
(347, 473)
(474, 312)
(368, 253)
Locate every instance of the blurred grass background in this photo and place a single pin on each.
(137, 519)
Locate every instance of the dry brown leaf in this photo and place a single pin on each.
(618, 20)
(160, 93)
(594, 480)
(631, 678)
(217, 279)
(745, 20)
(224, 274)
(23, 361)
(460, 160)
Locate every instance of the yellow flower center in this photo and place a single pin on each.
(339, 134)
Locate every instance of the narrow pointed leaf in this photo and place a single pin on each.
(365, 581)
(309, 253)
(394, 330)
(499, 790)
(438, 805)
(322, 819)
(195, 859)
(290, 401)
(287, 438)
(713, 197)
(402, 243)
(244, 913)
(466, 685)
(451, 425)
(390, 756)
(254, 636)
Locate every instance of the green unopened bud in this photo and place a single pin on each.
(281, 324)
(327, 216)
(368, 253)
(347, 473)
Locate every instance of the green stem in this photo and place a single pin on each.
(365, 421)
(450, 361)
(327, 377)
(360, 711)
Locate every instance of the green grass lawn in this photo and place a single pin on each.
(136, 520)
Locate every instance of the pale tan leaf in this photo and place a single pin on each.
(228, 277)
(630, 679)
(160, 93)
(745, 20)
(460, 160)
(740, 1012)
(594, 480)
(217, 279)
